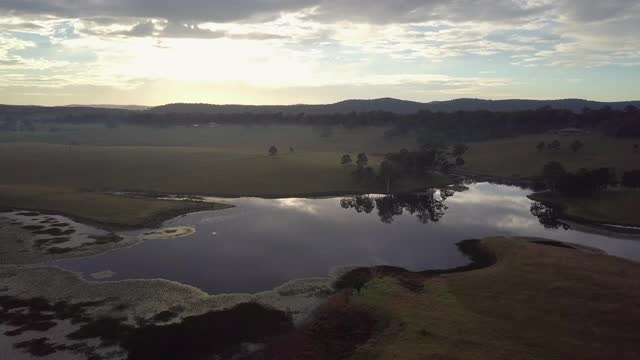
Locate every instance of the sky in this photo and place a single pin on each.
(151, 52)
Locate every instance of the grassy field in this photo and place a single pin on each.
(519, 156)
(503, 157)
(105, 210)
(233, 161)
(185, 170)
(611, 207)
(536, 302)
(232, 137)
(223, 161)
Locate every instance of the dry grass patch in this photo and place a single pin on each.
(537, 302)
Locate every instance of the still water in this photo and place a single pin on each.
(263, 243)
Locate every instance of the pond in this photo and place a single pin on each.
(263, 243)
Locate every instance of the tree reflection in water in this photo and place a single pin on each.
(427, 207)
(548, 216)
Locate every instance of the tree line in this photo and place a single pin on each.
(586, 182)
(429, 126)
(430, 158)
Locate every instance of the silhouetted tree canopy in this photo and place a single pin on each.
(346, 159)
(576, 145)
(581, 183)
(459, 150)
(429, 126)
(362, 160)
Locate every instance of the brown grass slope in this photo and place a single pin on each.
(536, 302)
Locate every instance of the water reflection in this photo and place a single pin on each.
(262, 243)
(548, 216)
(426, 207)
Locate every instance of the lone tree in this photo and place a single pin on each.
(576, 145)
(554, 145)
(541, 145)
(362, 160)
(346, 159)
(459, 150)
(291, 149)
(273, 150)
(460, 161)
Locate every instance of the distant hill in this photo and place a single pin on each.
(575, 105)
(394, 105)
(117, 107)
(347, 106)
(59, 110)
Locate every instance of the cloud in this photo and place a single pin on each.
(370, 11)
(596, 10)
(146, 28)
(327, 45)
(22, 26)
(363, 11)
(416, 11)
(172, 30)
(185, 10)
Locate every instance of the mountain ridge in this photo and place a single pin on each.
(345, 106)
(394, 105)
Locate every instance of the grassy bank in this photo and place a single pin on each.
(96, 208)
(519, 156)
(536, 302)
(609, 207)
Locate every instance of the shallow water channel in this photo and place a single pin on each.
(263, 243)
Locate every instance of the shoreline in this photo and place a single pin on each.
(561, 206)
(447, 182)
(307, 301)
(153, 221)
(356, 319)
(194, 203)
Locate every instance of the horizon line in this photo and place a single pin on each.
(98, 105)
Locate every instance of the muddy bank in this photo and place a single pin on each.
(75, 317)
(152, 221)
(169, 233)
(33, 237)
(155, 318)
(479, 256)
(29, 237)
(357, 278)
(339, 326)
(220, 332)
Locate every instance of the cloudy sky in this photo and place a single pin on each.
(151, 52)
